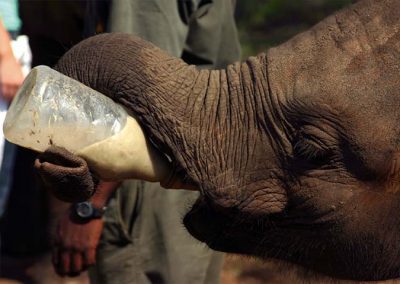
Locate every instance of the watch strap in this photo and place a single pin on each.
(98, 212)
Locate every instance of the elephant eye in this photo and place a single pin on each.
(307, 149)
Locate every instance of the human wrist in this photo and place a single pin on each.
(99, 199)
(95, 207)
(103, 193)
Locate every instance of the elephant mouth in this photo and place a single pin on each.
(221, 232)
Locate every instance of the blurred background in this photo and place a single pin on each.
(266, 23)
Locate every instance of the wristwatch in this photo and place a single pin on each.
(86, 210)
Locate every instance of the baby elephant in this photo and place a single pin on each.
(296, 152)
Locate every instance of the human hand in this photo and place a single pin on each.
(75, 243)
(66, 175)
(11, 76)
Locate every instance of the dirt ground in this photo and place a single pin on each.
(236, 270)
(246, 270)
(242, 270)
(34, 271)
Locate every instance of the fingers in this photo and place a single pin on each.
(64, 264)
(71, 263)
(90, 257)
(77, 264)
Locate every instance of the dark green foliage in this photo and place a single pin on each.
(265, 23)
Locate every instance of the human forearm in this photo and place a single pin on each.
(103, 193)
(5, 47)
(11, 76)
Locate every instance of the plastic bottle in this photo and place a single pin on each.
(53, 109)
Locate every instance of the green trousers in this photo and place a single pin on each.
(144, 240)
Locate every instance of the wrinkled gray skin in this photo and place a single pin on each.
(295, 151)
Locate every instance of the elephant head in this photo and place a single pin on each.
(295, 151)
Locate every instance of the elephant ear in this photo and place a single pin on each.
(66, 175)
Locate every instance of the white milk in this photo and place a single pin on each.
(126, 155)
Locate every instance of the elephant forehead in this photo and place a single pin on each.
(370, 80)
(353, 54)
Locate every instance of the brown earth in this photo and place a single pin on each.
(246, 270)
(237, 270)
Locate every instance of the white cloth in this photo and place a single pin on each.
(22, 53)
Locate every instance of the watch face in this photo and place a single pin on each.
(84, 210)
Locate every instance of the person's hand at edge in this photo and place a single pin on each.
(76, 238)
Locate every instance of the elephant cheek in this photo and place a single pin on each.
(254, 196)
(262, 198)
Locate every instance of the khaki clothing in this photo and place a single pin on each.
(144, 240)
(204, 35)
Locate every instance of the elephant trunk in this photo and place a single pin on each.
(152, 85)
(207, 121)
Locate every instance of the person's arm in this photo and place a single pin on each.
(76, 238)
(11, 76)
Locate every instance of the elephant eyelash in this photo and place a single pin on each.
(307, 150)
